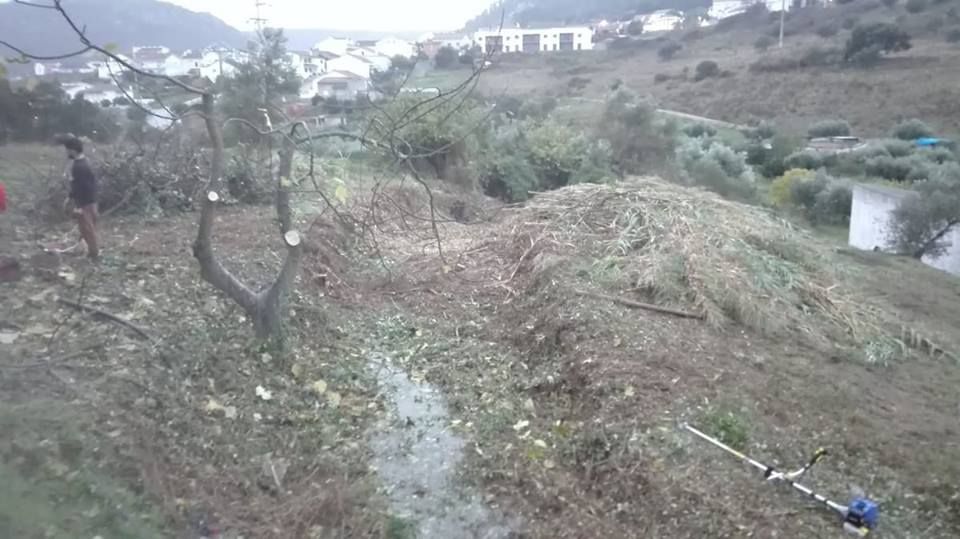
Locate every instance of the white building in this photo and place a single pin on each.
(352, 64)
(576, 38)
(870, 224)
(335, 45)
(342, 85)
(151, 59)
(298, 61)
(391, 46)
(378, 62)
(665, 20)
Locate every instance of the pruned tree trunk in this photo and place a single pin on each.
(264, 308)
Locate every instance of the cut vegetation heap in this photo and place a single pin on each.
(687, 249)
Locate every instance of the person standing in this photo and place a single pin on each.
(83, 193)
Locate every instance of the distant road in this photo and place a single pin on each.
(701, 119)
(681, 115)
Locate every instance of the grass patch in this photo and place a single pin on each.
(728, 427)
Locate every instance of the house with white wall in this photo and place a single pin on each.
(392, 46)
(531, 40)
(871, 222)
(335, 45)
(378, 62)
(342, 85)
(352, 64)
(151, 59)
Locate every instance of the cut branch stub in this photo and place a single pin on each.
(212, 196)
(292, 238)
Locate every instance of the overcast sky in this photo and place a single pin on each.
(377, 15)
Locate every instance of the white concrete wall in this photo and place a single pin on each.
(870, 225)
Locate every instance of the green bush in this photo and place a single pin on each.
(897, 169)
(912, 130)
(716, 167)
(770, 160)
(669, 50)
(849, 23)
(915, 6)
(507, 174)
(833, 203)
(828, 30)
(897, 148)
(638, 139)
(952, 35)
(541, 156)
(804, 192)
(661, 77)
(697, 130)
(803, 159)
(706, 69)
(889, 3)
(869, 41)
(829, 128)
(938, 156)
(763, 43)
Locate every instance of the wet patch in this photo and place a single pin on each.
(416, 455)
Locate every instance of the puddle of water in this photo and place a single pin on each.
(416, 456)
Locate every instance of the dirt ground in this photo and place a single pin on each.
(569, 406)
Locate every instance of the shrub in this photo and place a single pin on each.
(869, 41)
(669, 50)
(829, 128)
(781, 190)
(938, 156)
(804, 192)
(915, 6)
(889, 3)
(952, 35)
(833, 203)
(763, 43)
(507, 174)
(635, 28)
(849, 23)
(769, 160)
(637, 138)
(764, 130)
(698, 130)
(706, 69)
(820, 56)
(921, 222)
(803, 160)
(828, 30)
(447, 57)
(897, 148)
(661, 77)
(891, 168)
(716, 167)
(912, 130)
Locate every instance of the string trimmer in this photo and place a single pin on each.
(860, 516)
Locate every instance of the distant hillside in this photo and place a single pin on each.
(560, 12)
(123, 22)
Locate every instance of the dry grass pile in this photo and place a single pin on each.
(689, 249)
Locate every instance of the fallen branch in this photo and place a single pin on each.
(105, 315)
(638, 305)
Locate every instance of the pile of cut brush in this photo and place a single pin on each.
(688, 249)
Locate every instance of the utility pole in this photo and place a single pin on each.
(783, 15)
(259, 21)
